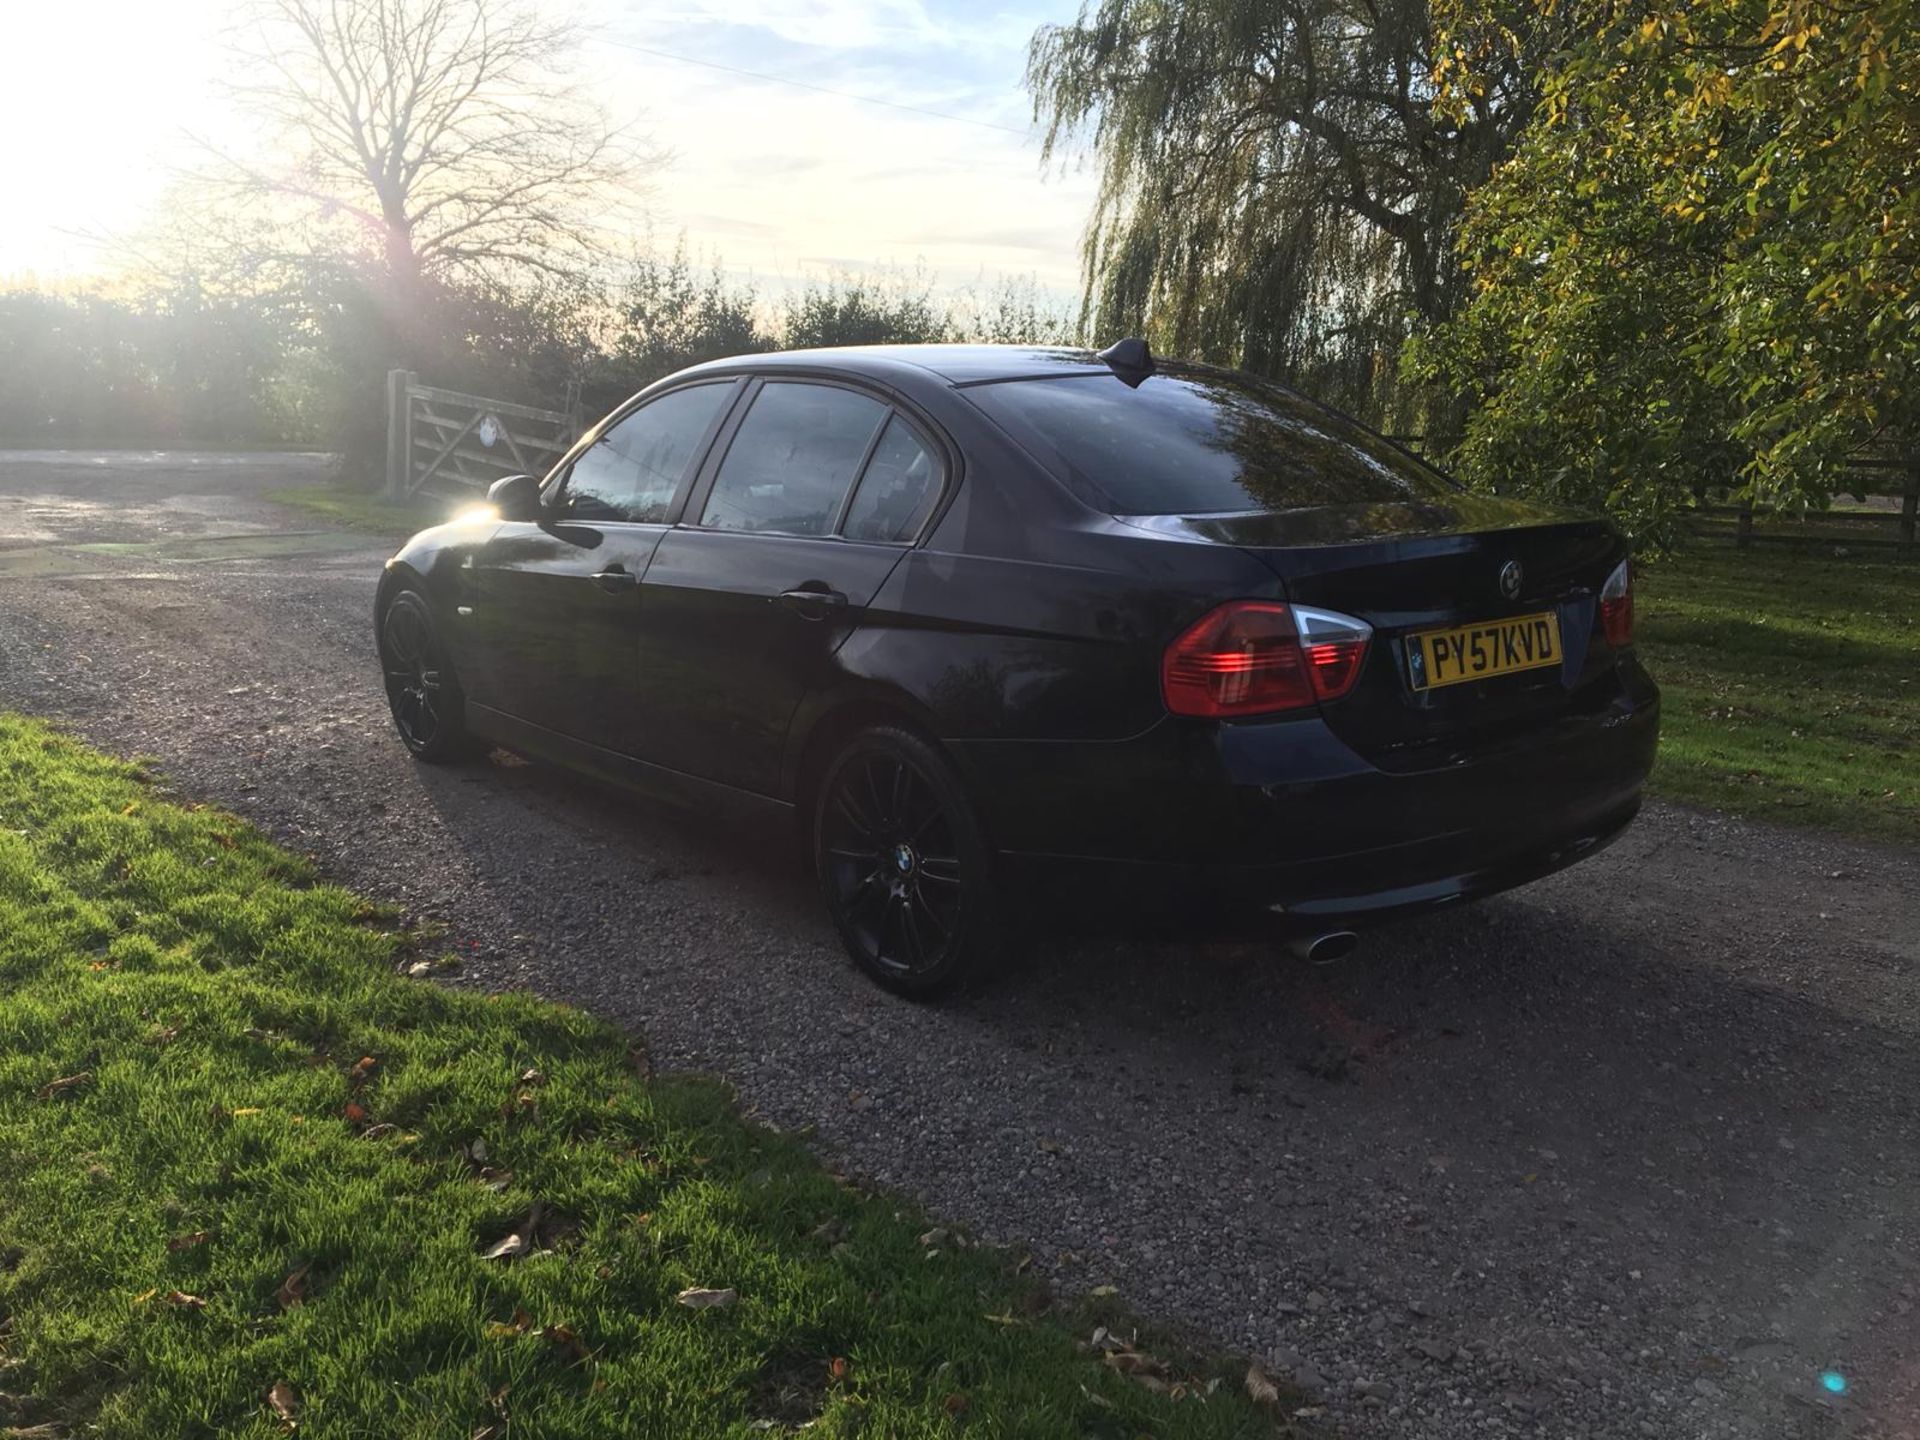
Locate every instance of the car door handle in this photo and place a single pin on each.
(614, 579)
(811, 604)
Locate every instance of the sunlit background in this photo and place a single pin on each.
(106, 102)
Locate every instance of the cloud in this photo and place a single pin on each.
(821, 24)
(1035, 237)
(755, 165)
(699, 222)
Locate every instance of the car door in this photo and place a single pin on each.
(783, 545)
(556, 602)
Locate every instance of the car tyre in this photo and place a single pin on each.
(904, 865)
(424, 694)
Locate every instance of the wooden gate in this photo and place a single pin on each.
(445, 439)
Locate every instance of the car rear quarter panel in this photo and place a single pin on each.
(1025, 626)
(1026, 617)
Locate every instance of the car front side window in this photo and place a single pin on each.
(634, 469)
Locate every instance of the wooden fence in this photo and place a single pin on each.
(441, 438)
(1876, 512)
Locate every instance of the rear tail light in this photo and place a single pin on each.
(1257, 657)
(1616, 606)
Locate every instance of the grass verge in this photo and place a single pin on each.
(363, 510)
(251, 1176)
(1792, 687)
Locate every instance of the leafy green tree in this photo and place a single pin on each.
(166, 367)
(1277, 189)
(1701, 268)
(893, 309)
(666, 318)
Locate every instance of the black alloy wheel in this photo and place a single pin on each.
(903, 864)
(422, 691)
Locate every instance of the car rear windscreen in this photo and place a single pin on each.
(1184, 444)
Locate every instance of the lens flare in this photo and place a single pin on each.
(1834, 1381)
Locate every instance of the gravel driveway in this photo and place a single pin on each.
(1633, 1151)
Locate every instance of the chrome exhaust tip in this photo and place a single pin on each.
(1325, 949)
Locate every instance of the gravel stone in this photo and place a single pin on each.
(1636, 1035)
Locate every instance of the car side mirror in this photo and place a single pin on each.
(517, 497)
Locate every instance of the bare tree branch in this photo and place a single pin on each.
(444, 130)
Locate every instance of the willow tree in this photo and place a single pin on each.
(1277, 189)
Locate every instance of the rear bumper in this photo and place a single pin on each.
(1284, 819)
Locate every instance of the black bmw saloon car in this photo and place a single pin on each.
(991, 622)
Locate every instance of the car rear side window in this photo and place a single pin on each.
(1193, 443)
(898, 488)
(793, 459)
(632, 471)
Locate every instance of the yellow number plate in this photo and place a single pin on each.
(1478, 652)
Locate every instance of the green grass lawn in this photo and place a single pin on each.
(247, 1166)
(1792, 686)
(368, 510)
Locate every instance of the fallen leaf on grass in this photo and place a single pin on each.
(1138, 1365)
(520, 1242)
(1007, 1319)
(503, 1329)
(184, 1301)
(562, 1337)
(532, 1077)
(475, 1150)
(1133, 1362)
(523, 1104)
(293, 1289)
(144, 1296)
(1260, 1389)
(511, 1248)
(695, 1297)
(187, 1242)
(492, 1179)
(66, 1085)
(281, 1398)
(362, 1071)
(355, 1113)
(1097, 1398)
(955, 1404)
(246, 1110)
(838, 1369)
(380, 1131)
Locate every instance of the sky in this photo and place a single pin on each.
(775, 181)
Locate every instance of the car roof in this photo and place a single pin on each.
(957, 364)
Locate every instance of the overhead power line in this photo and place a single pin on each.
(817, 89)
